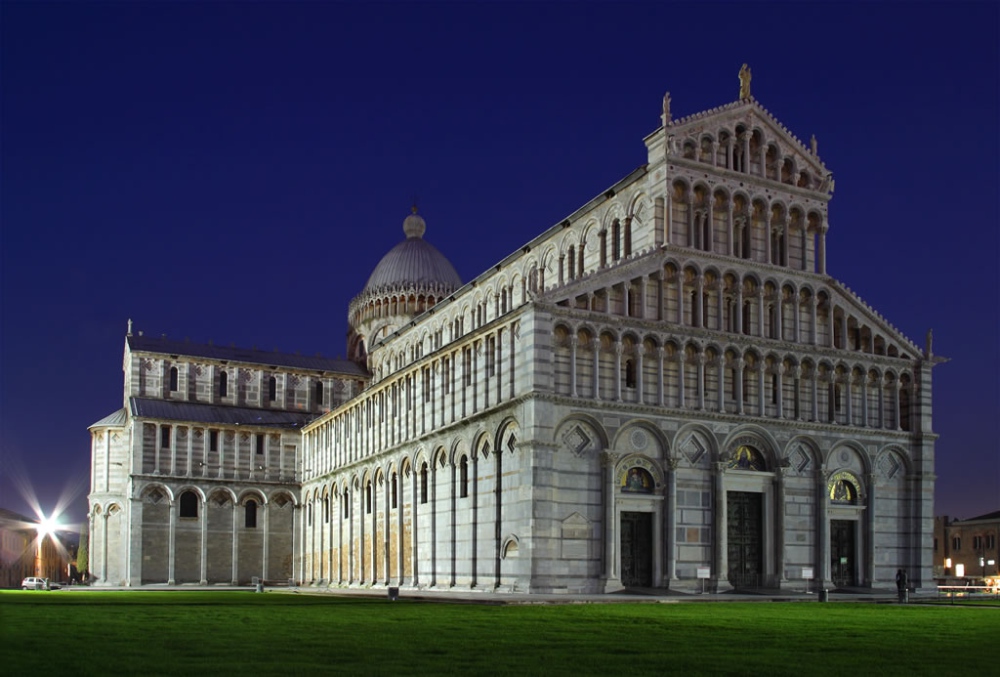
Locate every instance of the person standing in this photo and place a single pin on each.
(901, 585)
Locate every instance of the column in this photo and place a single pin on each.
(618, 371)
(267, 533)
(870, 514)
(699, 301)
(572, 365)
(738, 371)
(781, 387)
(896, 387)
(823, 528)
(659, 375)
(172, 543)
(680, 298)
(700, 358)
(610, 528)
(642, 297)
(236, 544)
(671, 519)
(815, 393)
(597, 367)
(760, 312)
(796, 302)
(822, 251)
(414, 527)
(849, 404)
(815, 331)
(399, 527)
(203, 528)
(720, 365)
(681, 359)
(638, 374)
(738, 329)
(761, 400)
(721, 572)
(864, 401)
(779, 522)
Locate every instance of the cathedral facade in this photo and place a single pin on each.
(664, 390)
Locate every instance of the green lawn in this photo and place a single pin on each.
(196, 633)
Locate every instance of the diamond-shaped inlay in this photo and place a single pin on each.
(576, 440)
(889, 466)
(694, 449)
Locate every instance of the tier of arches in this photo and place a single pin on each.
(741, 302)
(396, 520)
(748, 150)
(746, 225)
(605, 363)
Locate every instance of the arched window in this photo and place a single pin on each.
(189, 504)
(250, 514)
(629, 374)
(326, 509)
(272, 389)
(173, 379)
(463, 480)
(423, 483)
(616, 240)
(395, 483)
(368, 498)
(223, 384)
(571, 257)
(347, 504)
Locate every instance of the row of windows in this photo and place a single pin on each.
(272, 386)
(463, 492)
(189, 509)
(979, 543)
(213, 440)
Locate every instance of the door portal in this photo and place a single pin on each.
(745, 538)
(637, 549)
(842, 553)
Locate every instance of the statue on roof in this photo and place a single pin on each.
(814, 145)
(666, 109)
(930, 343)
(744, 83)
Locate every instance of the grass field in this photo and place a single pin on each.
(194, 633)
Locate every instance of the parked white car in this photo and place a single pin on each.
(35, 583)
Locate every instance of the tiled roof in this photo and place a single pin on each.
(249, 355)
(211, 413)
(118, 418)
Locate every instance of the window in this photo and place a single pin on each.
(189, 504)
(347, 504)
(223, 384)
(309, 515)
(368, 498)
(977, 543)
(935, 545)
(319, 393)
(423, 483)
(326, 509)
(395, 482)
(991, 542)
(213, 440)
(250, 514)
(272, 389)
(173, 379)
(260, 444)
(165, 436)
(463, 481)
(629, 374)
(956, 543)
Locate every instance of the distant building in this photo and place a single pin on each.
(20, 555)
(968, 546)
(667, 385)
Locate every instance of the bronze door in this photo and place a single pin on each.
(745, 538)
(637, 549)
(842, 555)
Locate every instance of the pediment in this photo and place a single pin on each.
(692, 137)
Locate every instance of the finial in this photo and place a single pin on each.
(129, 332)
(930, 343)
(814, 145)
(744, 83)
(414, 224)
(666, 109)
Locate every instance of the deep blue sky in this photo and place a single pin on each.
(234, 172)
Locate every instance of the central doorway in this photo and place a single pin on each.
(842, 554)
(637, 549)
(745, 539)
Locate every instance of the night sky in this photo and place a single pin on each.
(233, 172)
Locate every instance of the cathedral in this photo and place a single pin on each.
(666, 390)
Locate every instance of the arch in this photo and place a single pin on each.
(510, 546)
(697, 443)
(848, 455)
(626, 438)
(755, 436)
(158, 487)
(580, 434)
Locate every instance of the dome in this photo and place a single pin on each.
(414, 262)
